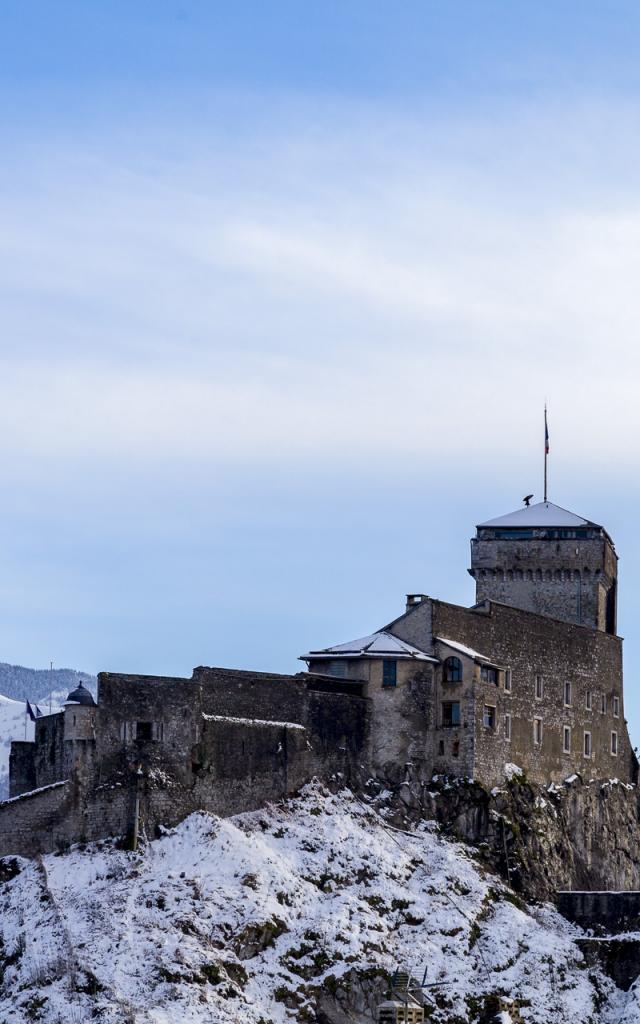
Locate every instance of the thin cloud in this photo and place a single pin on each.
(207, 309)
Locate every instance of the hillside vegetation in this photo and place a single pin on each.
(35, 684)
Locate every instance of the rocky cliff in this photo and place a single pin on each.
(580, 835)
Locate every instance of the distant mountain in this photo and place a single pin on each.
(35, 684)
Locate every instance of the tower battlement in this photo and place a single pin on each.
(547, 560)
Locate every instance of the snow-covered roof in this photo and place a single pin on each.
(462, 649)
(257, 722)
(377, 645)
(543, 514)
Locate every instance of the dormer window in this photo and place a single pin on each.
(453, 670)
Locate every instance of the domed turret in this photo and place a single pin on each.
(81, 695)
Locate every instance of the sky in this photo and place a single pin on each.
(283, 290)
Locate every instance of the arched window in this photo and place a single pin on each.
(452, 670)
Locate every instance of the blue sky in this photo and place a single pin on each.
(283, 289)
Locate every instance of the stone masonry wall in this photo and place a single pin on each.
(193, 755)
(563, 579)
(37, 821)
(51, 764)
(527, 646)
(610, 912)
(531, 645)
(22, 769)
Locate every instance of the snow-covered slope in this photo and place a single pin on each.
(12, 727)
(268, 916)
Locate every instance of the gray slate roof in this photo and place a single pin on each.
(543, 514)
(377, 645)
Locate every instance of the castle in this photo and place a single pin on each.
(530, 675)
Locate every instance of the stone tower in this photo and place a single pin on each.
(550, 561)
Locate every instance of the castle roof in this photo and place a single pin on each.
(543, 514)
(377, 645)
(462, 649)
(81, 695)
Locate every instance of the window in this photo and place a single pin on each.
(507, 680)
(489, 674)
(389, 672)
(616, 707)
(144, 731)
(452, 670)
(588, 700)
(604, 703)
(566, 740)
(614, 743)
(455, 748)
(587, 744)
(539, 688)
(567, 695)
(507, 727)
(450, 713)
(489, 717)
(441, 748)
(537, 731)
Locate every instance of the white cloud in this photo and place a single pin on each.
(217, 308)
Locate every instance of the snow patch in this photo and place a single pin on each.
(253, 721)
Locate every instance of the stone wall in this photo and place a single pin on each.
(37, 821)
(403, 715)
(562, 578)
(51, 763)
(22, 768)
(610, 912)
(179, 746)
(531, 645)
(523, 646)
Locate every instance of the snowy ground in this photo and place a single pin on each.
(247, 919)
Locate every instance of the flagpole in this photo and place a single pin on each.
(546, 451)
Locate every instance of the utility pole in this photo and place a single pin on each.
(136, 812)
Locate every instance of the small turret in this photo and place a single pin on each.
(79, 717)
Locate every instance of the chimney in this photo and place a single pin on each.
(414, 599)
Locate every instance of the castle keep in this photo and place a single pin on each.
(530, 675)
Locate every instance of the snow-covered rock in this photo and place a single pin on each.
(265, 917)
